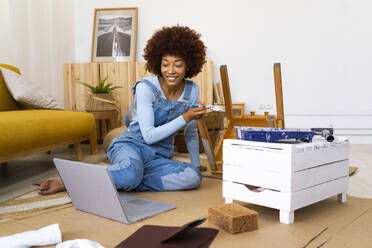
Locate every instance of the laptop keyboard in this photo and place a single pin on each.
(138, 208)
(133, 201)
(138, 202)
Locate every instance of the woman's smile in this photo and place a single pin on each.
(173, 70)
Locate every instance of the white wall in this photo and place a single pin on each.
(324, 48)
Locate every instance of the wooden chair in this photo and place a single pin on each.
(215, 155)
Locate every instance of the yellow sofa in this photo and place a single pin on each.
(26, 132)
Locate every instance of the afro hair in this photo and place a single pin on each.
(177, 41)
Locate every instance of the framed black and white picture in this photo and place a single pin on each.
(114, 35)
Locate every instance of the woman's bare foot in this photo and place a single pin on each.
(51, 186)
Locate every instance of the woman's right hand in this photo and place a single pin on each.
(194, 112)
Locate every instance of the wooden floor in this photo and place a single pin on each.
(347, 224)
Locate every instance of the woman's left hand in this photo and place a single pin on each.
(194, 112)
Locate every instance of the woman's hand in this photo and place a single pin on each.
(194, 112)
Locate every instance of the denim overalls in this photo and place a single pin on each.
(138, 166)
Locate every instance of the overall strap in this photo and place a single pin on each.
(187, 94)
(156, 92)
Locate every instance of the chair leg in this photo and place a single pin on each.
(226, 133)
(79, 152)
(279, 95)
(93, 143)
(207, 143)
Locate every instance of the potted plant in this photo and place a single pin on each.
(102, 96)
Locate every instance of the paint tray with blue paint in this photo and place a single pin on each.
(273, 135)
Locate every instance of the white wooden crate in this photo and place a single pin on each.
(290, 176)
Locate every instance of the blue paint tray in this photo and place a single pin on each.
(272, 135)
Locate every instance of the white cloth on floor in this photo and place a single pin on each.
(48, 235)
(79, 243)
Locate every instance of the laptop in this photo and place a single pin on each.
(92, 190)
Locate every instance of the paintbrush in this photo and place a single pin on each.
(209, 107)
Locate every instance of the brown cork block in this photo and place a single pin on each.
(233, 218)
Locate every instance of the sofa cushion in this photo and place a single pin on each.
(23, 130)
(28, 93)
(6, 100)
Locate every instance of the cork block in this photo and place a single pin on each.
(233, 218)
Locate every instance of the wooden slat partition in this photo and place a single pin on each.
(141, 71)
(123, 74)
(205, 82)
(119, 74)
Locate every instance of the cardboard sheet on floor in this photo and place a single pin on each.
(32, 203)
(348, 224)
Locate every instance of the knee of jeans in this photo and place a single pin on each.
(127, 178)
(186, 178)
(130, 181)
(195, 180)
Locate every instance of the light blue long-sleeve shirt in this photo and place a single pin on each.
(144, 114)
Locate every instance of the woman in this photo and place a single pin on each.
(140, 157)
